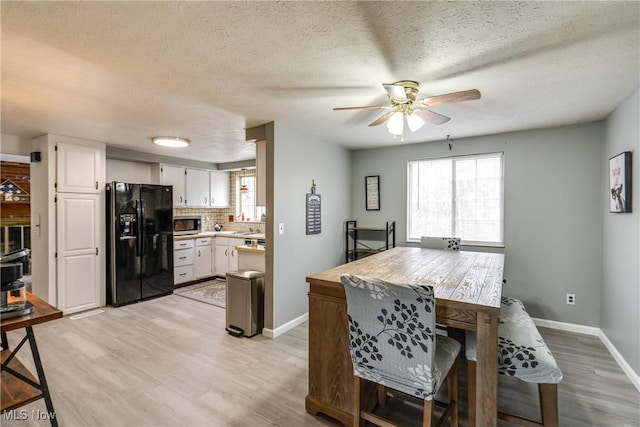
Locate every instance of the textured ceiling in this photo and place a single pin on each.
(122, 72)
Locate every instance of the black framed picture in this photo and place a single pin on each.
(620, 182)
(372, 192)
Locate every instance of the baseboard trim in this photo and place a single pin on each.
(635, 378)
(568, 327)
(274, 333)
(590, 330)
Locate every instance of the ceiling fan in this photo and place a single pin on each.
(404, 104)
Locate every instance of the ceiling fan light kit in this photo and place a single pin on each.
(402, 95)
(171, 141)
(396, 124)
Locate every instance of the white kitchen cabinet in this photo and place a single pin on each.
(183, 260)
(197, 189)
(79, 168)
(226, 255)
(203, 259)
(175, 176)
(219, 188)
(68, 216)
(78, 243)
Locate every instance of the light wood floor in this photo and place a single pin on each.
(169, 362)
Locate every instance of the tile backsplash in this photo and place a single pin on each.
(212, 216)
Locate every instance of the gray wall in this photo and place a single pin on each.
(620, 295)
(297, 160)
(552, 211)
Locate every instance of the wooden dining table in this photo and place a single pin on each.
(468, 288)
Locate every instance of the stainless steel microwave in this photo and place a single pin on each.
(187, 225)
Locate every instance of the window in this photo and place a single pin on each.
(457, 197)
(246, 201)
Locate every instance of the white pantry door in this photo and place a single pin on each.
(78, 257)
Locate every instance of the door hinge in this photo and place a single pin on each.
(55, 199)
(55, 147)
(55, 185)
(96, 251)
(96, 185)
(56, 255)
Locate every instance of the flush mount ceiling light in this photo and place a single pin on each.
(171, 141)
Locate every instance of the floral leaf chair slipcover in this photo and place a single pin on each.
(522, 353)
(445, 243)
(393, 341)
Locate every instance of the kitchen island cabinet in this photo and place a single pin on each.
(250, 258)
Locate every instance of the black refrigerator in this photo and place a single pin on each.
(140, 242)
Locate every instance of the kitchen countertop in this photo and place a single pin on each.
(230, 234)
(250, 249)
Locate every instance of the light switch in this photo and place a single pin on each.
(281, 228)
(35, 226)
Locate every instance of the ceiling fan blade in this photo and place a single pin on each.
(366, 107)
(465, 95)
(383, 118)
(435, 118)
(395, 92)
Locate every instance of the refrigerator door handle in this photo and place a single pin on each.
(139, 240)
(143, 247)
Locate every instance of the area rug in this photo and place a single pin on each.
(211, 292)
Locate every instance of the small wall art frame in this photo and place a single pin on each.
(619, 194)
(372, 192)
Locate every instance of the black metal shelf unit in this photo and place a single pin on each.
(364, 241)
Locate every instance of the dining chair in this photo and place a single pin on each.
(445, 243)
(394, 347)
(522, 354)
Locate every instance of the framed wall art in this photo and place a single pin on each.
(620, 183)
(372, 192)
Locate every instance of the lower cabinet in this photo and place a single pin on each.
(201, 257)
(183, 259)
(202, 265)
(226, 255)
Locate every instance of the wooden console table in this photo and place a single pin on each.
(18, 386)
(467, 286)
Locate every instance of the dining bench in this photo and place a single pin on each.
(523, 354)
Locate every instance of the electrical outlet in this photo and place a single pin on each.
(571, 299)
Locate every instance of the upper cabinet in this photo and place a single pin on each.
(219, 187)
(197, 188)
(78, 168)
(175, 176)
